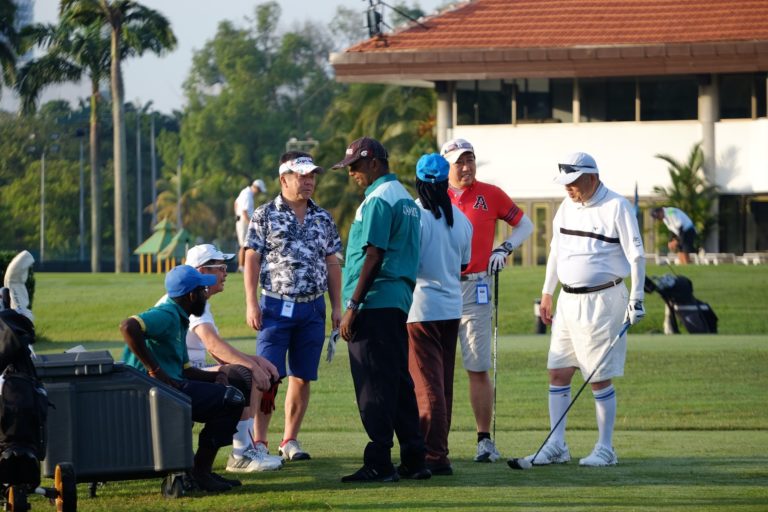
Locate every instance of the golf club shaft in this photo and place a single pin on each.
(495, 344)
(586, 381)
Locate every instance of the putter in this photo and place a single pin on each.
(522, 462)
(495, 345)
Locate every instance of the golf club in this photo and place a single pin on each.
(495, 344)
(522, 462)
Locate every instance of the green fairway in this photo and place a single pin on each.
(692, 425)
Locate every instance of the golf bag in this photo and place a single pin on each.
(677, 292)
(23, 403)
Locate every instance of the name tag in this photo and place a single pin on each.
(287, 310)
(482, 293)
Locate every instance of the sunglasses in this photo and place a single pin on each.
(567, 168)
(457, 145)
(220, 266)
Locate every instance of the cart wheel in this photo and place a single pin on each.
(172, 486)
(17, 499)
(66, 487)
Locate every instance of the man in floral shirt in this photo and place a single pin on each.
(293, 254)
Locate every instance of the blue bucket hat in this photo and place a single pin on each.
(183, 279)
(432, 168)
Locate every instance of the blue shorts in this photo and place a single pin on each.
(301, 337)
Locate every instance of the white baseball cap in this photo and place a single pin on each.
(260, 185)
(199, 255)
(301, 165)
(573, 166)
(454, 148)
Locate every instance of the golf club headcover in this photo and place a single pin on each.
(268, 398)
(240, 377)
(332, 339)
(635, 312)
(233, 396)
(16, 281)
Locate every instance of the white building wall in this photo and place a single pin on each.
(523, 159)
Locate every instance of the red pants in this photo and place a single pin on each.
(431, 360)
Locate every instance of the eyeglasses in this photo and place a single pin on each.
(568, 168)
(220, 266)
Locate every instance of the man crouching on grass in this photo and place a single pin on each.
(155, 342)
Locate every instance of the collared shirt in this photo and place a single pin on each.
(165, 331)
(293, 254)
(484, 204)
(677, 221)
(596, 242)
(244, 202)
(388, 218)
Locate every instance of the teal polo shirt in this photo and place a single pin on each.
(388, 218)
(165, 334)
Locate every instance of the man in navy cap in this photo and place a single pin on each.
(155, 342)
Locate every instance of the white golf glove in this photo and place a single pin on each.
(331, 350)
(635, 311)
(498, 259)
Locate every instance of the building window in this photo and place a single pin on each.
(607, 99)
(483, 102)
(742, 96)
(668, 98)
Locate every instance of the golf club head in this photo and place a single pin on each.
(521, 463)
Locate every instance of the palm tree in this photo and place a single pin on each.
(72, 51)
(690, 190)
(8, 42)
(138, 27)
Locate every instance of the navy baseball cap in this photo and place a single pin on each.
(432, 168)
(183, 279)
(364, 147)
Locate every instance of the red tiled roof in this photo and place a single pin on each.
(515, 24)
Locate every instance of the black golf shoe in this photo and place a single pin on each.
(369, 474)
(418, 473)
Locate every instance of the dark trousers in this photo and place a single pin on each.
(432, 356)
(378, 359)
(208, 407)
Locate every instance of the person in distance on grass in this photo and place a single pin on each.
(244, 206)
(483, 204)
(155, 344)
(380, 273)
(433, 321)
(683, 232)
(596, 243)
(292, 252)
(203, 338)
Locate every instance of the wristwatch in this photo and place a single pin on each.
(352, 305)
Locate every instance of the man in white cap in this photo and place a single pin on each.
(244, 206)
(292, 254)
(483, 204)
(595, 245)
(203, 338)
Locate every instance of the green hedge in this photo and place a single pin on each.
(5, 260)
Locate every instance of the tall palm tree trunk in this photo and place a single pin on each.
(96, 222)
(120, 158)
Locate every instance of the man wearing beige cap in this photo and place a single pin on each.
(483, 204)
(244, 206)
(292, 254)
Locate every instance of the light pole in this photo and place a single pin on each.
(53, 148)
(153, 163)
(178, 191)
(139, 233)
(80, 134)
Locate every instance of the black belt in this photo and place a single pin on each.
(590, 289)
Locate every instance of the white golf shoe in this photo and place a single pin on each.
(292, 451)
(486, 451)
(253, 460)
(600, 456)
(551, 453)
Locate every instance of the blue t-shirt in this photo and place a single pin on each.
(388, 218)
(165, 333)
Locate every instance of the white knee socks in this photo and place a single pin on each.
(605, 411)
(559, 398)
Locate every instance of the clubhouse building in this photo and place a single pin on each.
(624, 80)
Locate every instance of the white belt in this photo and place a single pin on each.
(301, 298)
(473, 277)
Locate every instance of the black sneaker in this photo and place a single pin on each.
(420, 473)
(440, 469)
(368, 474)
(208, 483)
(229, 481)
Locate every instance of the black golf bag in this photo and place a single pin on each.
(677, 292)
(23, 403)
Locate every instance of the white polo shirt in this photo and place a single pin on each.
(596, 242)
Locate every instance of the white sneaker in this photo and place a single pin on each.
(263, 451)
(486, 451)
(251, 461)
(551, 453)
(600, 456)
(292, 451)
